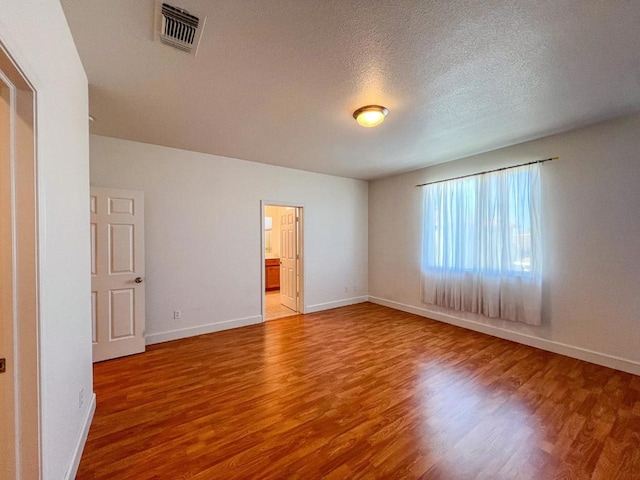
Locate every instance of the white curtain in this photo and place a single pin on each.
(481, 244)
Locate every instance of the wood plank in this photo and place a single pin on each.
(359, 392)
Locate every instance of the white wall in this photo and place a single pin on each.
(591, 215)
(37, 35)
(203, 227)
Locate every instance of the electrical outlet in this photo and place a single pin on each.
(177, 314)
(81, 398)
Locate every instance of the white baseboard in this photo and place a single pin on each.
(153, 338)
(338, 303)
(77, 454)
(591, 356)
(201, 329)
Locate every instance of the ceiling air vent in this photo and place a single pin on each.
(178, 28)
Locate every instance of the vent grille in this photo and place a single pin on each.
(179, 28)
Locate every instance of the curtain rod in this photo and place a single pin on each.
(489, 171)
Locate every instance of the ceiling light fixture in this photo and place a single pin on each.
(371, 115)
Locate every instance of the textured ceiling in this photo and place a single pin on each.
(276, 81)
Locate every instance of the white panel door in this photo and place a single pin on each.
(288, 257)
(117, 273)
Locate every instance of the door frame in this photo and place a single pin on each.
(301, 264)
(21, 298)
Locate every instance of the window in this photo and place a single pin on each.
(481, 244)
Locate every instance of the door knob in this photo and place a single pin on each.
(138, 280)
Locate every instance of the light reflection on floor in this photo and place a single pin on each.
(463, 423)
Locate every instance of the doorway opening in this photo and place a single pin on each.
(282, 260)
(19, 369)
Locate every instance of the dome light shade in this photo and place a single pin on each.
(371, 115)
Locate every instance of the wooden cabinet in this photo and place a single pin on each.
(272, 273)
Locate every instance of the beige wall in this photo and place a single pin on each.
(272, 211)
(591, 230)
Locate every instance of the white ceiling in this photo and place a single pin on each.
(276, 81)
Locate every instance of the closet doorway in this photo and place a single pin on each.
(282, 259)
(19, 298)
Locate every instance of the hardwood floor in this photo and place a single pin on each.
(360, 392)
